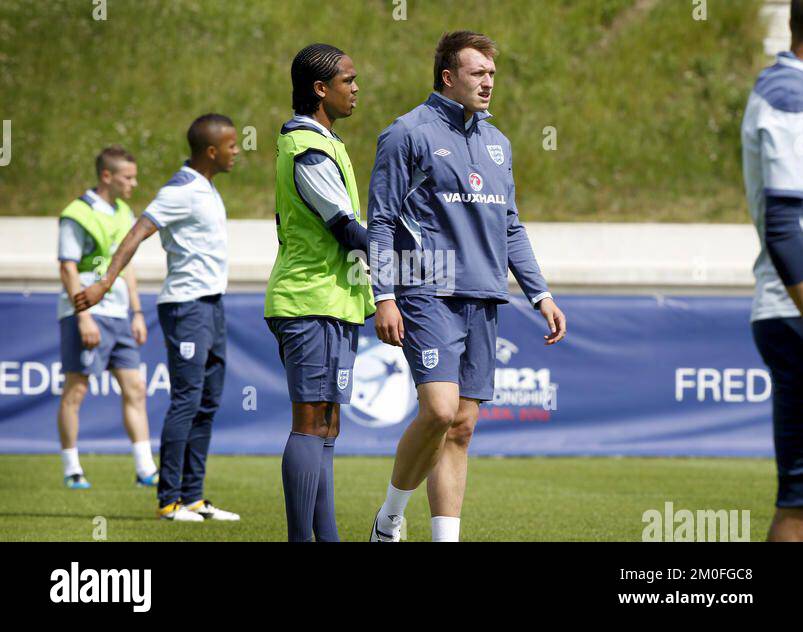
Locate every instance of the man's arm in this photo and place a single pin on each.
(784, 238)
(87, 327)
(92, 295)
(321, 187)
(524, 266)
(73, 242)
(390, 182)
(138, 328)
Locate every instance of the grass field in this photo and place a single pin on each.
(646, 100)
(543, 499)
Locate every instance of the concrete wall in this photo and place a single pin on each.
(574, 256)
(776, 16)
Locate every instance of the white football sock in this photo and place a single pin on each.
(445, 529)
(143, 458)
(69, 459)
(394, 505)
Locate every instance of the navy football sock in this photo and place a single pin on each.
(323, 523)
(301, 468)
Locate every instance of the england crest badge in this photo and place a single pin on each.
(187, 350)
(343, 378)
(430, 358)
(496, 153)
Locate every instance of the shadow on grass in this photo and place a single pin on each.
(33, 514)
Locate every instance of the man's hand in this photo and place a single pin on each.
(555, 319)
(90, 333)
(139, 329)
(90, 296)
(389, 324)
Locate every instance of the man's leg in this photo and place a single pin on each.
(780, 342)
(324, 523)
(200, 432)
(446, 484)
(787, 526)
(73, 393)
(419, 449)
(135, 419)
(184, 331)
(309, 508)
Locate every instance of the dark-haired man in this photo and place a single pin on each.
(317, 295)
(773, 174)
(442, 197)
(90, 229)
(190, 216)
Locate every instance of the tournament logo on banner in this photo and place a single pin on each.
(383, 393)
(521, 392)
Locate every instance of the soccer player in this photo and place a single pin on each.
(190, 216)
(442, 194)
(317, 295)
(773, 174)
(90, 229)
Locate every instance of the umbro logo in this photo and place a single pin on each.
(443, 152)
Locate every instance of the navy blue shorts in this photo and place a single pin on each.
(117, 348)
(451, 340)
(318, 357)
(780, 342)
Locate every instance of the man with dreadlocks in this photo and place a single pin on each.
(318, 294)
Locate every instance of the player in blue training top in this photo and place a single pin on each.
(772, 133)
(190, 216)
(443, 230)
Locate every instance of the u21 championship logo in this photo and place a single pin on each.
(342, 378)
(496, 153)
(475, 180)
(383, 390)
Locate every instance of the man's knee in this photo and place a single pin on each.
(134, 391)
(461, 431)
(74, 393)
(439, 417)
(320, 419)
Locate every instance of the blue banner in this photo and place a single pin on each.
(635, 376)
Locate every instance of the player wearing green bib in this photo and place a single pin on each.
(90, 229)
(318, 293)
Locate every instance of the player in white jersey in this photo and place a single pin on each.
(190, 216)
(772, 147)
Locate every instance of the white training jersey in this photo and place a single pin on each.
(772, 157)
(191, 218)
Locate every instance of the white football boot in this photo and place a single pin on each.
(178, 513)
(208, 511)
(393, 536)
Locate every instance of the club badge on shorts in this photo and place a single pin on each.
(496, 153)
(430, 358)
(87, 357)
(187, 350)
(343, 378)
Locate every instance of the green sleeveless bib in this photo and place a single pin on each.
(312, 275)
(107, 231)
